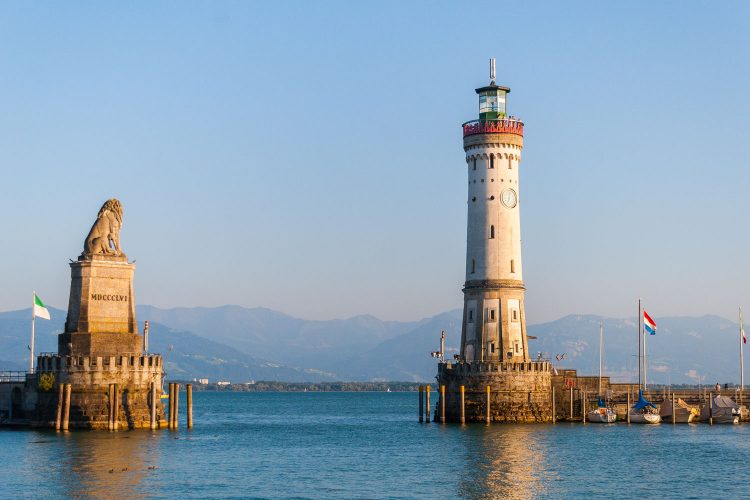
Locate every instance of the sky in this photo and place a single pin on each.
(307, 156)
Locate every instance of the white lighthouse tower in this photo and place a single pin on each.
(493, 379)
(494, 324)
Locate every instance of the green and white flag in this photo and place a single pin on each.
(40, 311)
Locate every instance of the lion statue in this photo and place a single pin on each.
(104, 237)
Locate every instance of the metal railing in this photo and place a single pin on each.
(504, 126)
(12, 376)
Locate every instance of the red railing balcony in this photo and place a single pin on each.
(504, 126)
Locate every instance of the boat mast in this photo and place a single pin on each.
(601, 328)
(742, 356)
(639, 343)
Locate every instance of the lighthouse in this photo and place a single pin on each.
(494, 379)
(494, 323)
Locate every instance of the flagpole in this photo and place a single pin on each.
(645, 363)
(33, 316)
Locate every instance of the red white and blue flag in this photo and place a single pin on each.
(648, 323)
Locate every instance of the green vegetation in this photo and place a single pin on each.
(46, 382)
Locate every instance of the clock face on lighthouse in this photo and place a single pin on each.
(509, 198)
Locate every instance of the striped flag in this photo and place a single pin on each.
(40, 311)
(648, 323)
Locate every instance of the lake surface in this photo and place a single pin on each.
(370, 445)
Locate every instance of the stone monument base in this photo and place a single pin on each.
(90, 379)
(519, 392)
(101, 344)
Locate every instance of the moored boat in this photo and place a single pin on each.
(644, 411)
(683, 412)
(602, 414)
(722, 409)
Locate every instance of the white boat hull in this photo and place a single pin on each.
(645, 418)
(598, 417)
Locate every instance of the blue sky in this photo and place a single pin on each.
(307, 156)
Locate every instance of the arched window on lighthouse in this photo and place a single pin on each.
(512, 266)
(510, 164)
(492, 161)
(473, 266)
(492, 232)
(475, 163)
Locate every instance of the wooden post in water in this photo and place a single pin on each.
(111, 404)
(427, 404)
(554, 416)
(488, 418)
(153, 406)
(66, 408)
(583, 406)
(674, 417)
(176, 422)
(421, 404)
(627, 409)
(571, 403)
(170, 417)
(189, 389)
(442, 404)
(711, 408)
(117, 407)
(463, 411)
(60, 396)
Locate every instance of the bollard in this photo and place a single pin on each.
(463, 411)
(153, 406)
(488, 418)
(442, 404)
(66, 408)
(421, 404)
(60, 396)
(711, 408)
(674, 417)
(117, 407)
(627, 409)
(554, 417)
(171, 405)
(427, 404)
(189, 389)
(583, 406)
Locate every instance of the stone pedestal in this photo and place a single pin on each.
(101, 309)
(90, 378)
(520, 392)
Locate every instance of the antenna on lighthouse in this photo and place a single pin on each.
(492, 71)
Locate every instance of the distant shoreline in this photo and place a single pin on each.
(270, 386)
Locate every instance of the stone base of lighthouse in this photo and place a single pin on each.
(519, 392)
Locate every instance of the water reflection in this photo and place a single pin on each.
(109, 465)
(505, 461)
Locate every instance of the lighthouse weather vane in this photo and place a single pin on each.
(492, 71)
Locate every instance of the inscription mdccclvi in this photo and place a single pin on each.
(110, 297)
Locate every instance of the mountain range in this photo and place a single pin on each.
(239, 344)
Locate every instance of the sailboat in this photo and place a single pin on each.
(643, 411)
(602, 413)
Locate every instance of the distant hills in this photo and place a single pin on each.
(238, 344)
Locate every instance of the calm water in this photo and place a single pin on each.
(369, 445)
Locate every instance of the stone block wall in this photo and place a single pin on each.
(519, 392)
(90, 379)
